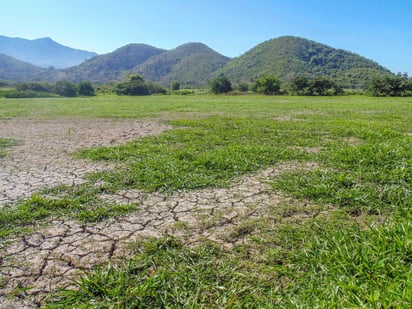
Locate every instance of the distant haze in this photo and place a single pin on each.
(43, 52)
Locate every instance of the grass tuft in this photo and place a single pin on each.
(4, 144)
(80, 203)
(317, 264)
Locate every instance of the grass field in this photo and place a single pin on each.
(355, 250)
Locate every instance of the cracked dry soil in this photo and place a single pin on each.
(33, 265)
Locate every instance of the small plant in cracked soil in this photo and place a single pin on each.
(77, 202)
(5, 144)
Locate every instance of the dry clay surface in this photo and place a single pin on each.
(42, 157)
(52, 255)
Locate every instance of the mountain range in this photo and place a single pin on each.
(193, 64)
(43, 52)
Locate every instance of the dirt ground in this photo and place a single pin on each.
(42, 157)
(52, 255)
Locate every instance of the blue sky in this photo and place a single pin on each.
(380, 30)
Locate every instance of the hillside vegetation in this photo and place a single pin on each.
(290, 56)
(12, 69)
(195, 64)
(112, 66)
(192, 64)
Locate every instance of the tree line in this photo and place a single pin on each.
(395, 86)
(133, 85)
(391, 86)
(388, 85)
(42, 89)
(272, 85)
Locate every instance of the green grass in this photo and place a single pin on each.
(203, 153)
(78, 202)
(353, 248)
(318, 264)
(373, 177)
(4, 144)
(180, 106)
(164, 274)
(351, 267)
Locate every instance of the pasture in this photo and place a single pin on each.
(206, 201)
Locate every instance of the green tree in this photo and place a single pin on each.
(85, 89)
(407, 88)
(322, 85)
(65, 89)
(175, 86)
(267, 85)
(379, 87)
(136, 85)
(34, 86)
(220, 85)
(393, 86)
(299, 85)
(244, 87)
(156, 88)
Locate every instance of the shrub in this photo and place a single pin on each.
(243, 87)
(175, 86)
(19, 94)
(390, 86)
(65, 89)
(267, 85)
(136, 85)
(220, 85)
(85, 89)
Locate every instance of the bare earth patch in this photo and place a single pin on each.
(43, 157)
(34, 265)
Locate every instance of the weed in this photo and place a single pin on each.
(80, 203)
(4, 144)
(320, 263)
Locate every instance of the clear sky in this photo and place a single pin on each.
(380, 30)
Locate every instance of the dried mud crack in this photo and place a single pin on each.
(42, 158)
(34, 265)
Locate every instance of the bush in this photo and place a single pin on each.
(44, 90)
(65, 89)
(85, 89)
(244, 87)
(175, 86)
(34, 86)
(299, 85)
(136, 85)
(267, 85)
(185, 92)
(220, 85)
(324, 86)
(320, 86)
(20, 94)
(391, 86)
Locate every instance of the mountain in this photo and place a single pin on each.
(111, 66)
(12, 69)
(192, 64)
(43, 52)
(290, 56)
